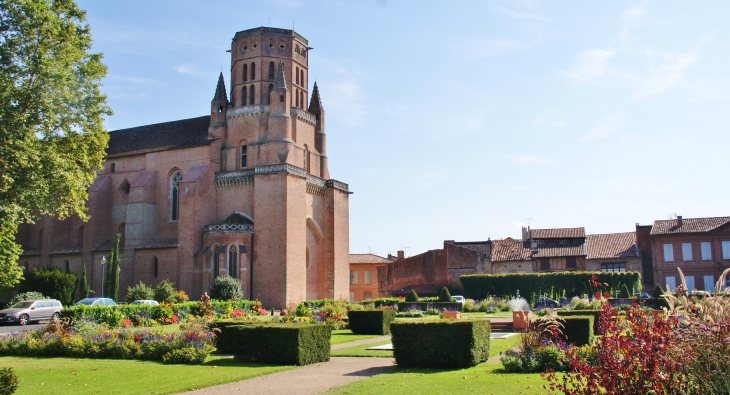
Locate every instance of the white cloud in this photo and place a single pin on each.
(603, 127)
(591, 64)
(193, 70)
(667, 75)
(632, 12)
(529, 160)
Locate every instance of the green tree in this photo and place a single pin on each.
(84, 289)
(51, 134)
(165, 292)
(226, 288)
(139, 292)
(444, 295)
(51, 282)
(112, 271)
(412, 296)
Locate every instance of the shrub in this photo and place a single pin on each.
(25, 296)
(423, 306)
(52, 282)
(180, 296)
(578, 329)
(226, 288)
(469, 305)
(440, 344)
(165, 292)
(187, 355)
(412, 296)
(444, 295)
(8, 381)
(572, 313)
(139, 292)
(371, 322)
(657, 292)
(285, 344)
(413, 314)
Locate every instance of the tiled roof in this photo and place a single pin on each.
(559, 233)
(421, 290)
(368, 258)
(184, 133)
(510, 250)
(550, 252)
(689, 225)
(612, 245)
(31, 252)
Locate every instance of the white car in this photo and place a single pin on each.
(147, 302)
(458, 298)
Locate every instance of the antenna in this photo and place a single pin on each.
(405, 249)
(529, 221)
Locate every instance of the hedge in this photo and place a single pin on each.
(568, 284)
(371, 322)
(287, 344)
(596, 314)
(423, 306)
(51, 282)
(578, 329)
(656, 303)
(440, 344)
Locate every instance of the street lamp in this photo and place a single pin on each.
(103, 261)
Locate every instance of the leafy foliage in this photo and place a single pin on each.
(371, 322)
(181, 296)
(8, 381)
(50, 118)
(226, 288)
(412, 296)
(52, 282)
(444, 295)
(165, 292)
(140, 291)
(84, 289)
(26, 296)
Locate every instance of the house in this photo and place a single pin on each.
(363, 276)
(557, 250)
(613, 252)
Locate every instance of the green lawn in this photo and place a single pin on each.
(473, 316)
(94, 376)
(340, 336)
(487, 378)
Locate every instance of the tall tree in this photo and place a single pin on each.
(112, 271)
(83, 283)
(51, 134)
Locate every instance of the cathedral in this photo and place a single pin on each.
(244, 191)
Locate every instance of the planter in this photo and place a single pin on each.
(454, 315)
(520, 319)
(657, 313)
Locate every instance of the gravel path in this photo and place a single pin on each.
(307, 380)
(360, 342)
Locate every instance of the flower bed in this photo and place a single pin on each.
(87, 340)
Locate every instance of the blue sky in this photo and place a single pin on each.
(455, 120)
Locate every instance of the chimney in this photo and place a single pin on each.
(401, 255)
(525, 233)
(679, 220)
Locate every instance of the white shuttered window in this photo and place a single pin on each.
(706, 251)
(686, 251)
(668, 253)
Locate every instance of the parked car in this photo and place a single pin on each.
(146, 302)
(96, 302)
(642, 295)
(32, 310)
(458, 298)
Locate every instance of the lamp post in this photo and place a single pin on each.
(103, 261)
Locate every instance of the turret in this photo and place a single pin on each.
(218, 108)
(280, 107)
(320, 139)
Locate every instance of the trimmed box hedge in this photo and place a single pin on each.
(371, 322)
(286, 344)
(556, 284)
(440, 344)
(578, 329)
(596, 314)
(423, 306)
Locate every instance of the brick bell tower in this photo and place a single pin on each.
(273, 170)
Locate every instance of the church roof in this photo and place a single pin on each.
(184, 133)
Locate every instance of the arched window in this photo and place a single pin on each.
(66, 265)
(296, 98)
(245, 72)
(302, 78)
(175, 195)
(301, 99)
(215, 257)
(40, 239)
(155, 267)
(297, 75)
(233, 261)
(122, 231)
(252, 95)
(271, 88)
(253, 71)
(80, 236)
(244, 155)
(271, 70)
(281, 98)
(306, 158)
(243, 96)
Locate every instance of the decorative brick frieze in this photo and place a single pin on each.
(304, 116)
(237, 228)
(246, 110)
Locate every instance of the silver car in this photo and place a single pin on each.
(32, 310)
